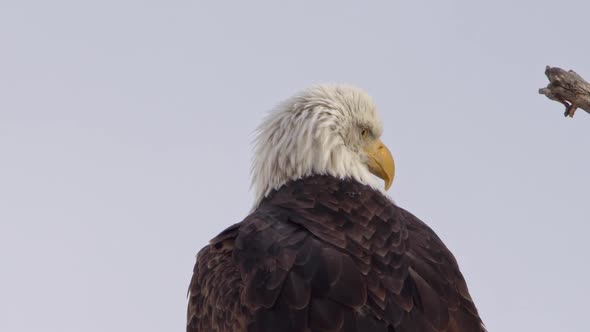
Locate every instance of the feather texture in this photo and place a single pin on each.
(323, 254)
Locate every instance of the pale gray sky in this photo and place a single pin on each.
(125, 130)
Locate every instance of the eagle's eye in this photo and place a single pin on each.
(364, 133)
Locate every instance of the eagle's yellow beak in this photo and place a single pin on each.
(381, 162)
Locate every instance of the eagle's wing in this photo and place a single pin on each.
(215, 288)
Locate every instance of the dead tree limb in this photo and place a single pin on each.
(568, 88)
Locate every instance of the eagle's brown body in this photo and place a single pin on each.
(324, 254)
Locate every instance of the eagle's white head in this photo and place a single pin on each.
(326, 129)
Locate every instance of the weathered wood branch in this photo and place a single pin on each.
(568, 88)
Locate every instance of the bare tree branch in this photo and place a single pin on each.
(568, 88)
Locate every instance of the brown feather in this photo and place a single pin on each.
(324, 254)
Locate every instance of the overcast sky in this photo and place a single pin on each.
(125, 131)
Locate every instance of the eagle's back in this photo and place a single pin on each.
(324, 254)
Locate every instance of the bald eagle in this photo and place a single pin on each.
(324, 249)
